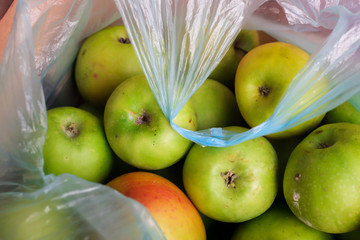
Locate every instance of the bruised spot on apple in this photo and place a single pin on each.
(175, 214)
(297, 176)
(262, 77)
(144, 118)
(322, 177)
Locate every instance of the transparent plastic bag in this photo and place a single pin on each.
(40, 49)
(180, 42)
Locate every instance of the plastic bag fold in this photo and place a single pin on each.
(180, 42)
(40, 50)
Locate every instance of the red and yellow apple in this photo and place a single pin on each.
(175, 214)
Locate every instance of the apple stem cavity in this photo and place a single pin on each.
(238, 47)
(143, 119)
(264, 91)
(124, 40)
(229, 178)
(71, 131)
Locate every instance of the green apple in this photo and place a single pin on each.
(105, 59)
(322, 178)
(278, 223)
(345, 112)
(225, 71)
(262, 78)
(138, 131)
(36, 219)
(76, 143)
(215, 106)
(232, 184)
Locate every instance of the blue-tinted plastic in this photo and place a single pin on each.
(40, 49)
(179, 43)
(355, 101)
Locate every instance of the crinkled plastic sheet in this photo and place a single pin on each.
(179, 42)
(41, 47)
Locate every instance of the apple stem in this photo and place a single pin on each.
(229, 178)
(71, 131)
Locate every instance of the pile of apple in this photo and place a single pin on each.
(302, 183)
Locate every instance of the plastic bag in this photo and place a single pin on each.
(180, 42)
(39, 53)
(184, 40)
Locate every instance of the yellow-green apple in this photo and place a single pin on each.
(232, 184)
(105, 59)
(215, 106)
(262, 77)
(345, 112)
(174, 213)
(277, 223)
(226, 69)
(138, 131)
(322, 178)
(76, 143)
(40, 218)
